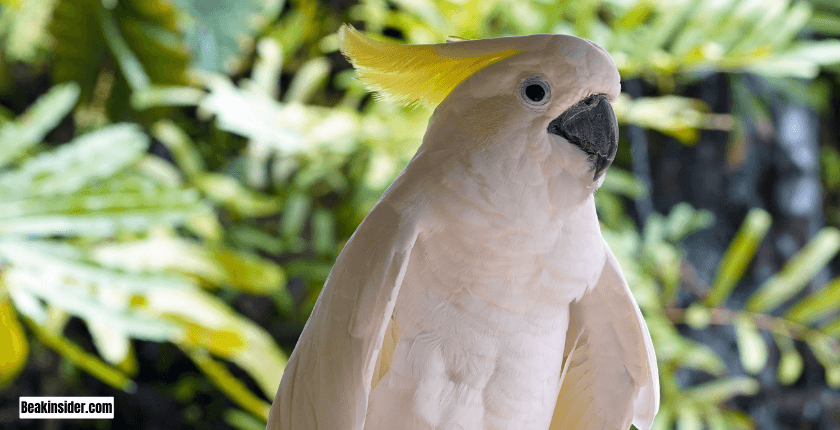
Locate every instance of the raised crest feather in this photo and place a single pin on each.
(417, 74)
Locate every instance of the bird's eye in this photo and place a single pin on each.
(534, 91)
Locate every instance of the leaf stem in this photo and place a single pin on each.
(769, 323)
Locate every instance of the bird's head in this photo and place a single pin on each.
(551, 91)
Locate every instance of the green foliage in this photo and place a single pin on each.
(736, 260)
(17, 137)
(16, 350)
(656, 273)
(24, 26)
(62, 209)
(802, 321)
(220, 33)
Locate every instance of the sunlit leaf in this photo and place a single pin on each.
(157, 96)
(698, 317)
(216, 266)
(69, 168)
(790, 361)
(111, 344)
(823, 52)
(677, 116)
(724, 389)
(248, 272)
(26, 36)
(255, 350)
(751, 346)
(737, 257)
(99, 214)
(817, 305)
(77, 302)
(31, 127)
(267, 68)
(684, 220)
(230, 193)
(796, 274)
(287, 128)
(698, 356)
(27, 304)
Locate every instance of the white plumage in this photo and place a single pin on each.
(479, 292)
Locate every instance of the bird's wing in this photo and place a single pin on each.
(327, 381)
(609, 379)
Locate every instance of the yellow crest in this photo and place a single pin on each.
(411, 74)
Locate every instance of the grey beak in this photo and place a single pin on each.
(590, 125)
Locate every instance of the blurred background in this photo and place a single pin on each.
(177, 177)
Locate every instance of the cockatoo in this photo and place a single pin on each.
(479, 292)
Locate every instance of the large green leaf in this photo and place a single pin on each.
(214, 266)
(287, 128)
(220, 32)
(71, 167)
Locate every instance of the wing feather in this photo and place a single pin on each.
(327, 381)
(609, 379)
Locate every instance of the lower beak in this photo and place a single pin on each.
(590, 124)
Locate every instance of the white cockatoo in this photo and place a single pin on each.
(479, 293)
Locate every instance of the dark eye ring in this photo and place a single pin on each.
(534, 91)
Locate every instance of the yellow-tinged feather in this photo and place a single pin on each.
(411, 74)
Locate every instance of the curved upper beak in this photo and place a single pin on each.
(590, 124)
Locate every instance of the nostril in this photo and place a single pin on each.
(589, 100)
